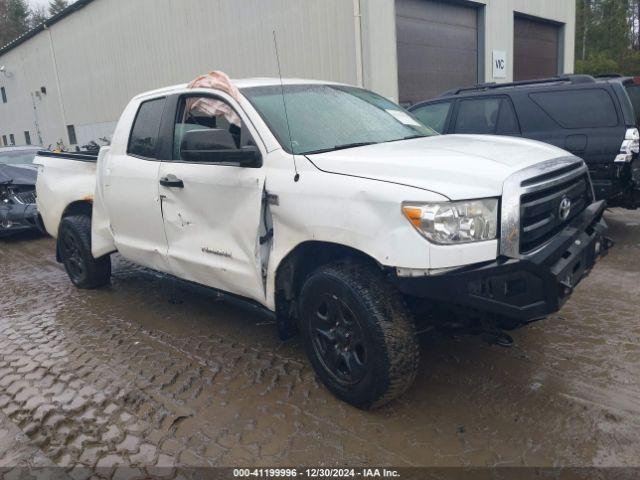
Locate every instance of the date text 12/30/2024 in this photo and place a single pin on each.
(315, 473)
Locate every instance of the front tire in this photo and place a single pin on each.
(74, 247)
(358, 334)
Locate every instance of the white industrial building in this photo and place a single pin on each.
(68, 80)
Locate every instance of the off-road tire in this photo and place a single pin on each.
(387, 326)
(85, 271)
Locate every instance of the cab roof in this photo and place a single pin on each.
(241, 84)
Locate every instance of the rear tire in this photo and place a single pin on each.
(74, 247)
(358, 334)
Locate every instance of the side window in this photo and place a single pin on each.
(144, 134)
(634, 95)
(584, 108)
(507, 120)
(478, 116)
(210, 121)
(434, 115)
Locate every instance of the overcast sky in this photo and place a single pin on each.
(44, 3)
(37, 3)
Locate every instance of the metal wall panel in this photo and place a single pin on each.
(437, 47)
(111, 50)
(536, 49)
(147, 44)
(27, 71)
(94, 60)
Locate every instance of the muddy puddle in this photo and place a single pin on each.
(153, 372)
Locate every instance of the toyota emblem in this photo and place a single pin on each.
(565, 208)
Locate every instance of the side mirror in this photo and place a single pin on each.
(218, 146)
(207, 139)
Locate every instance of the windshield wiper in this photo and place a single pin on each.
(410, 137)
(340, 147)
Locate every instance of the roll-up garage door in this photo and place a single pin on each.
(536, 49)
(437, 47)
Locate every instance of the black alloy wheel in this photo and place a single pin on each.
(74, 250)
(358, 333)
(338, 340)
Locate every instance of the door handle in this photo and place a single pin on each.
(171, 181)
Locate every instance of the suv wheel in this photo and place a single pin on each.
(74, 246)
(358, 334)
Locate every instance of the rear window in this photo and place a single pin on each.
(144, 134)
(634, 95)
(590, 108)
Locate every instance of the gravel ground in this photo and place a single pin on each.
(151, 374)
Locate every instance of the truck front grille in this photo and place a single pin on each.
(547, 210)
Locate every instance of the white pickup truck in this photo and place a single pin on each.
(334, 208)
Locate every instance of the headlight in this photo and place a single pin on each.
(455, 222)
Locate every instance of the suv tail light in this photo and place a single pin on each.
(630, 146)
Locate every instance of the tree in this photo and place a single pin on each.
(607, 36)
(38, 16)
(598, 64)
(56, 6)
(584, 18)
(14, 19)
(4, 9)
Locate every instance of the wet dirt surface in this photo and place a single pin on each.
(153, 373)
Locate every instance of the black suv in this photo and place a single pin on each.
(595, 118)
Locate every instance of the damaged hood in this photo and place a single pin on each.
(18, 174)
(459, 167)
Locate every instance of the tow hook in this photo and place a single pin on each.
(492, 334)
(607, 244)
(603, 246)
(484, 326)
(497, 337)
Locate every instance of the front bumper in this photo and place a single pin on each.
(522, 289)
(16, 218)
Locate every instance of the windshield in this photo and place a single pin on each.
(17, 157)
(328, 117)
(634, 96)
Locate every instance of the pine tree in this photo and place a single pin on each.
(56, 6)
(38, 16)
(14, 19)
(4, 21)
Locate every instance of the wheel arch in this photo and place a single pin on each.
(295, 268)
(79, 207)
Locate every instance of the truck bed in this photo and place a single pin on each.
(63, 178)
